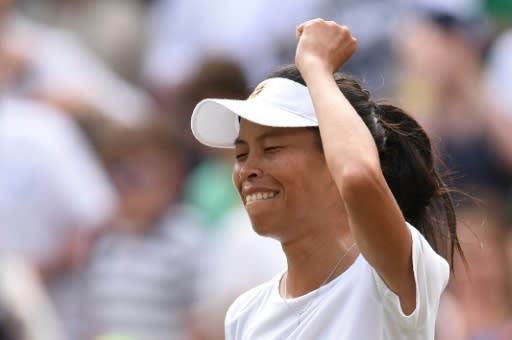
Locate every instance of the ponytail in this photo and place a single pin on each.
(409, 169)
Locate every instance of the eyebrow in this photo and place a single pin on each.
(266, 135)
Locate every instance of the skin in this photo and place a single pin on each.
(324, 201)
(283, 161)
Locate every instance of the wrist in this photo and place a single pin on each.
(311, 74)
(310, 69)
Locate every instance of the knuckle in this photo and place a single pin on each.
(344, 29)
(317, 21)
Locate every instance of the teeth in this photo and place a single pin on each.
(259, 196)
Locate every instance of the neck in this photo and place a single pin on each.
(316, 260)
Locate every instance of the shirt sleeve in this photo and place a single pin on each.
(431, 274)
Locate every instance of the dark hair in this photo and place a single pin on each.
(407, 163)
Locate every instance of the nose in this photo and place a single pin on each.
(251, 168)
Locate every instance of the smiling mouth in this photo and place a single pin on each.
(260, 196)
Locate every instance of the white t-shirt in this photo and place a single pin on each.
(355, 305)
(50, 180)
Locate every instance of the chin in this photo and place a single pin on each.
(265, 228)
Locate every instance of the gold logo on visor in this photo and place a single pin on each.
(257, 90)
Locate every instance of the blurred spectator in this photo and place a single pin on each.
(498, 73)
(25, 310)
(501, 11)
(53, 195)
(210, 189)
(478, 303)
(113, 29)
(441, 63)
(237, 260)
(497, 87)
(209, 186)
(52, 65)
(58, 198)
(258, 35)
(373, 23)
(9, 329)
(465, 9)
(141, 276)
(179, 43)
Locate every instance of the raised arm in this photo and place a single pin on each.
(375, 218)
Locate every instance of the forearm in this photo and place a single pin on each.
(348, 145)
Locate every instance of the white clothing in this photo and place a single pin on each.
(140, 284)
(259, 35)
(236, 248)
(355, 305)
(118, 21)
(21, 291)
(50, 180)
(498, 73)
(51, 184)
(252, 36)
(60, 63)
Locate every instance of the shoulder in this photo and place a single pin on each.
(425, 258)
(431, 274)
(426, 261)
(250, 300)
(429, 267)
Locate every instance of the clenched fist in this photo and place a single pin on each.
(323, 44)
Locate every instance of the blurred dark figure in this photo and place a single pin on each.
(209, 186)
(54, 195)
(441, 59)
(24, 304)
(258, 35)
(10, 327)
(99, 23)
(141, 275)
(218, 78)
(53, 65)
(232, 245)
(478, 302)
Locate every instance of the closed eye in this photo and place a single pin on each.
(241, 156)
(272, 148)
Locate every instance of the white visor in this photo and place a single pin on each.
(277, 102)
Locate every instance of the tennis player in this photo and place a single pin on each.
(349, 188)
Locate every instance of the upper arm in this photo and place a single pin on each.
(379, 228)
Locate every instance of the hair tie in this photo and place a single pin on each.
(376, 115)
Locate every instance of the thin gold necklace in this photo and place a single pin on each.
(305, 309)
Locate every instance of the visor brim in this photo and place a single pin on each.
(214, 122)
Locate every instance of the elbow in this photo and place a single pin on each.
(360, 179)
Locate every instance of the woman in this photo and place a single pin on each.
(336, 179)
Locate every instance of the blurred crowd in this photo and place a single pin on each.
(116, 224)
